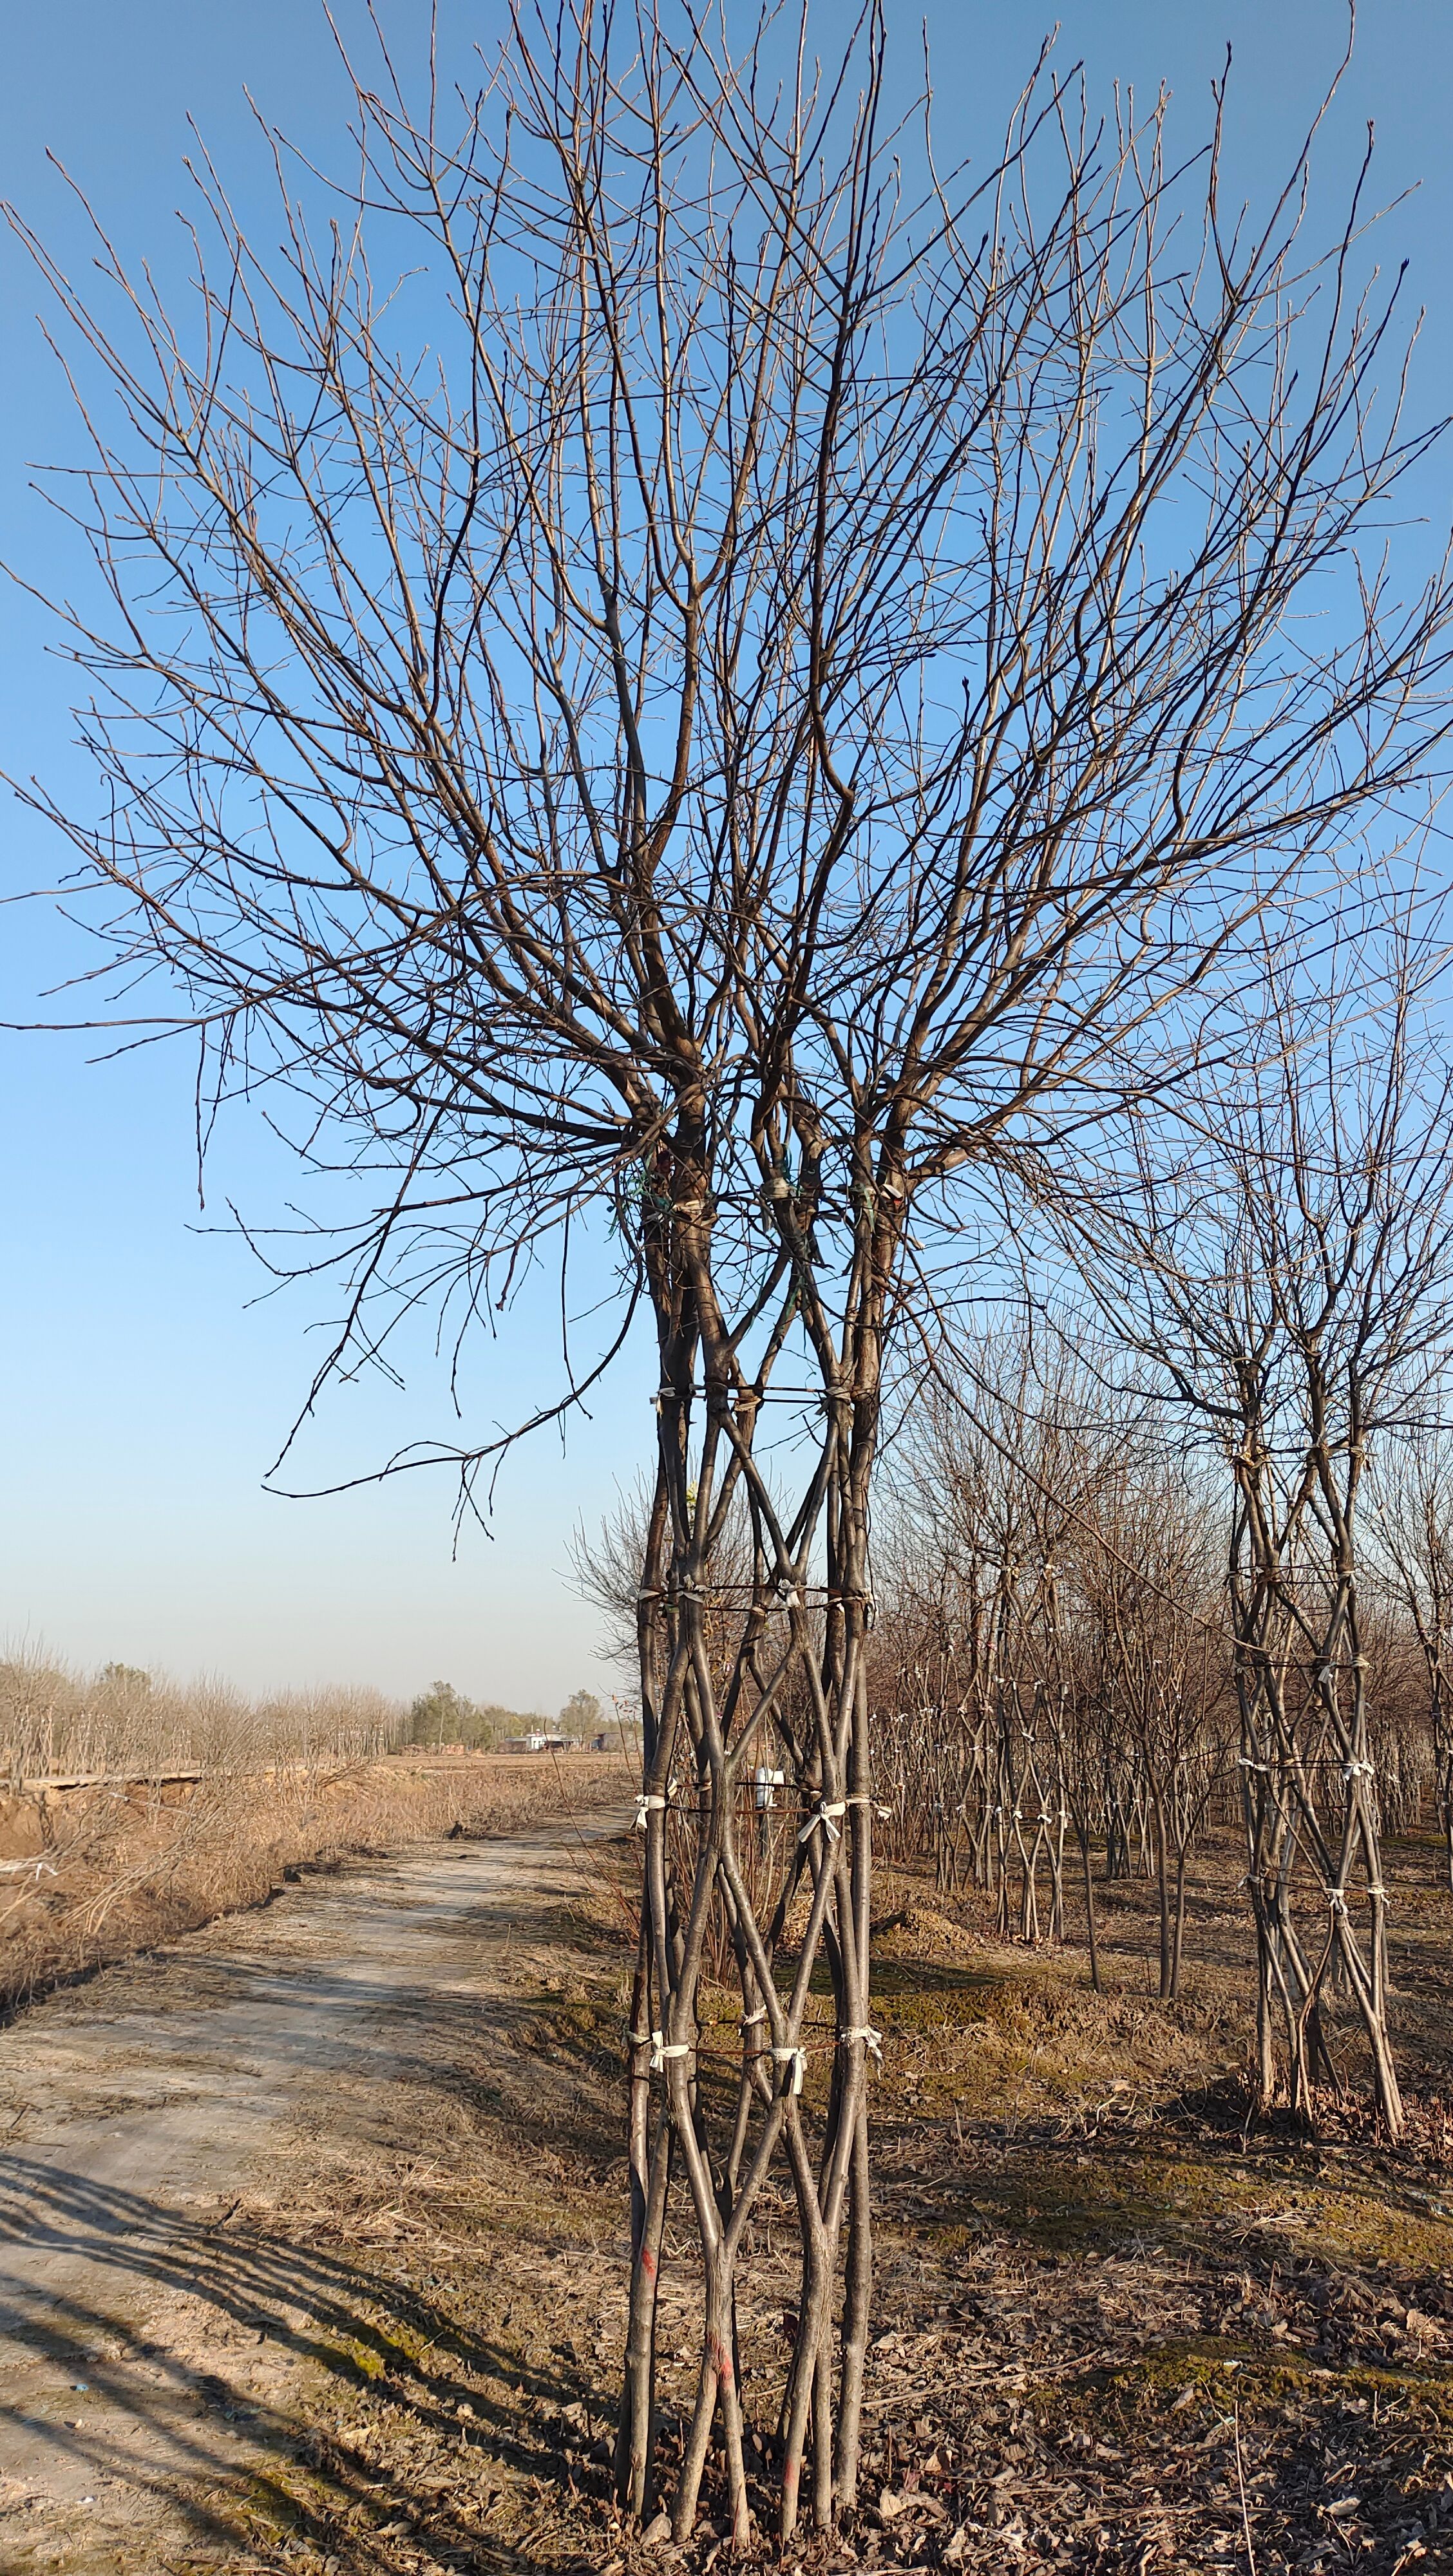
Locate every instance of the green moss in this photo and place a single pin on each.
(952, 1999)
(356, 2360)
(909, 1986)
(1111, 2197)
(1225, 2372)
(272, 2500)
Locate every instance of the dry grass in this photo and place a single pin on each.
(90, 1875)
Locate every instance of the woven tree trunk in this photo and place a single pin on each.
(1308, 1797)
(739, 1673)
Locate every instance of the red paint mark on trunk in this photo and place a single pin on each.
(648, 2261)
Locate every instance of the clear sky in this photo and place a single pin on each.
(143, 1390)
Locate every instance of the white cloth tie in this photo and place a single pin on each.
(796, 2058)
(826, 1814)
(660, 2051)
(864, 2030)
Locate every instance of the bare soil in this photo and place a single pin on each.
(326, 2208)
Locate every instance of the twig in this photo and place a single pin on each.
(1241, 2491)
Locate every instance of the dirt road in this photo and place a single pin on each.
(153, 2358)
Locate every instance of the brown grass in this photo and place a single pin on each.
(90, 1875)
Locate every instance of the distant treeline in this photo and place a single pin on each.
(55, 1720)
(442, 1715)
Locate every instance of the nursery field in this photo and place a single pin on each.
(352, 2297)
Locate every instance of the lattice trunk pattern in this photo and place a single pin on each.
(756, 1818)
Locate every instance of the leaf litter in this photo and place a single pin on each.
(1122, 2335)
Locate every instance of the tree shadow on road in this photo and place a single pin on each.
(200, 2421)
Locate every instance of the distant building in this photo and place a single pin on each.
(540, 1742)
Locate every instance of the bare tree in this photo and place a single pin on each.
(1144, 1568)
(1413, 1535)
(1046, 1566)
(991, 1490)
(1284, 1261)
(681, 678)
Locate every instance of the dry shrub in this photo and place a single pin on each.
(56, 1720)
(88, 1875)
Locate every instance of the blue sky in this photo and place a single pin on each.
(143, 1387)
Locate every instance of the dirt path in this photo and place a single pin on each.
(152, 2365)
